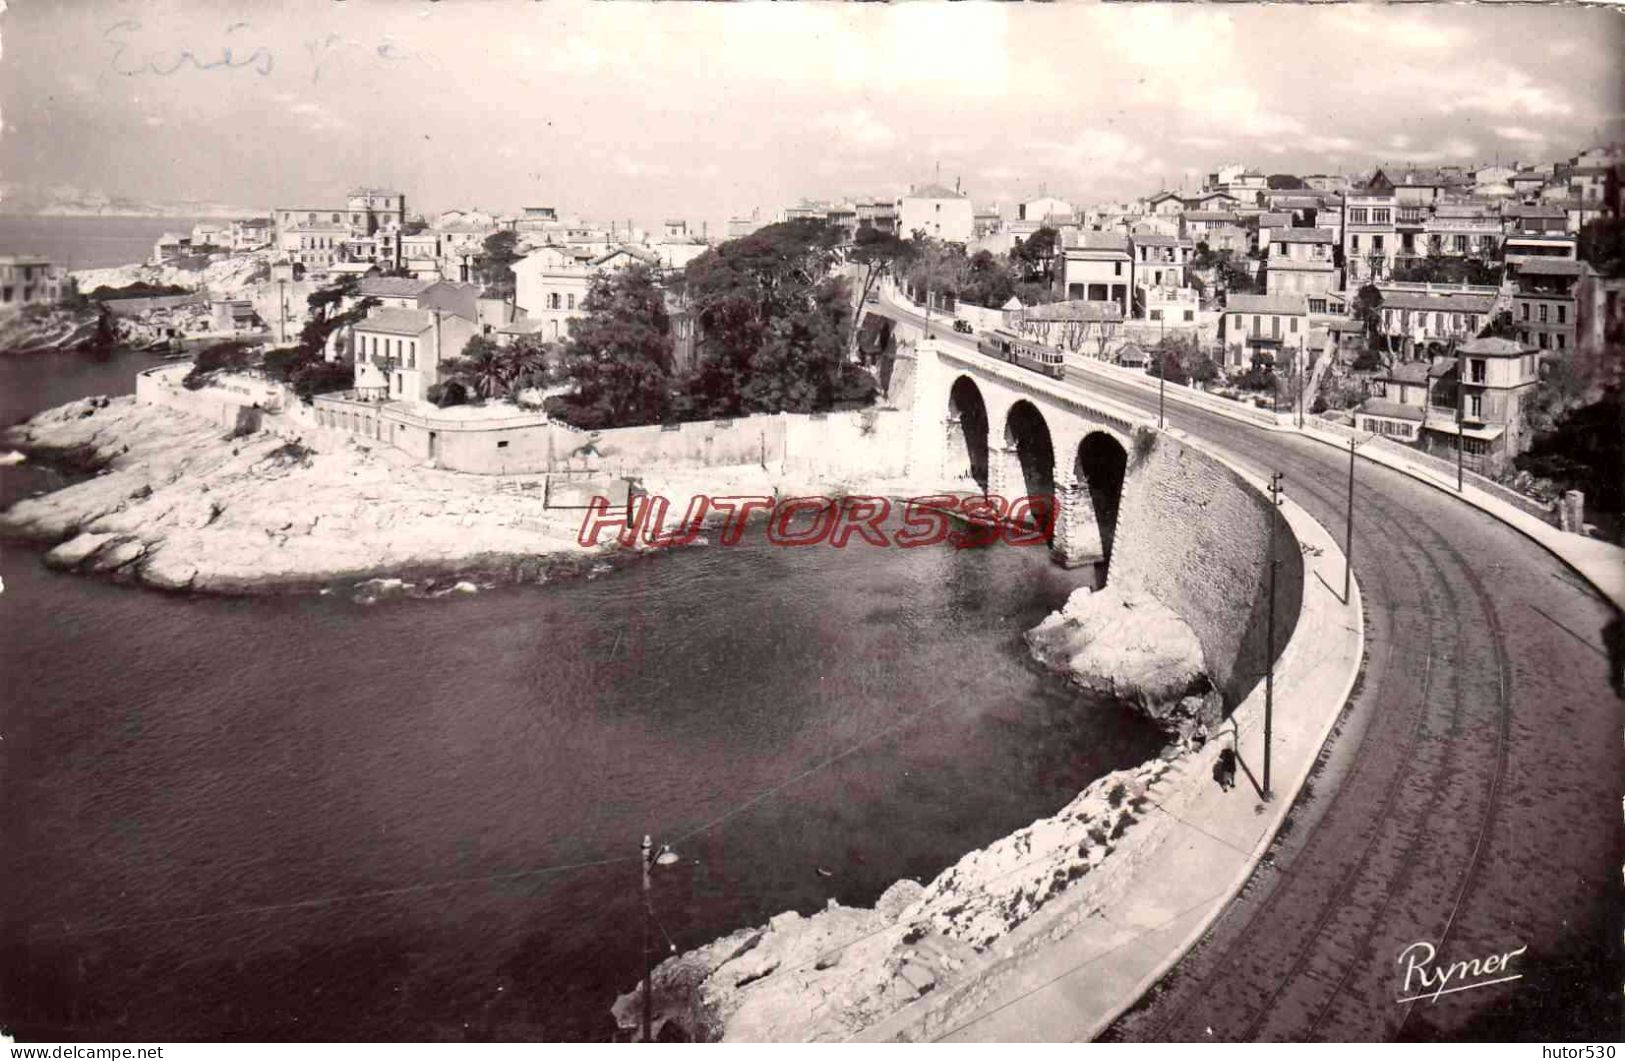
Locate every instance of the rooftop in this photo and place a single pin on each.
(1552, 267)
(1391, 409)
(392, 287)
(1212, 215)
(933, 191)
(1100, 241)
(397, 321)
(1494, 347)
(1301, 235)
(1155, 239)
(1417, 300)
(1266, 304)
(1407, 372)
(1077, 309)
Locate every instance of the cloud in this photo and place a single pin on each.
(1518, 134)
(860, 126)
(154, 121)
(1505, 92)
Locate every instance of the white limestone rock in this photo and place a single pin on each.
(1128, 644)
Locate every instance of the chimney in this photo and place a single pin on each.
(956, 185)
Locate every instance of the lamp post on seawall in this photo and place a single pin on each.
(1269, 637)
(650, 859)
(1348, 533)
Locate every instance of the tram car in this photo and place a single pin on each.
(1028, 353)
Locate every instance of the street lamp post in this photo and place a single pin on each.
(1348, 533)
(650, 859)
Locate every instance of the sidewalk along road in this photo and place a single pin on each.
(1469, 799)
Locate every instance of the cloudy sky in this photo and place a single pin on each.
(638, 111)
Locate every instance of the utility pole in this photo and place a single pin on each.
(1269, 640)
(1348, 533)
(282, 328)
(648, 969)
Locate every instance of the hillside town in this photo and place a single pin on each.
(1458, 310)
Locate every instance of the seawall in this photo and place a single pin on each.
(1193, 534)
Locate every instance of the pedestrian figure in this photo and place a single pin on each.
(1199, 738)
(1224, 771)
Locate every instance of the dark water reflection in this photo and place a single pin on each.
(184, 776)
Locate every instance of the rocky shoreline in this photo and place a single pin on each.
(830, 975)
(842, 970)
(175, 502)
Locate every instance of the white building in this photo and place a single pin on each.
(941, 213)
(551, 283)
(398, 352)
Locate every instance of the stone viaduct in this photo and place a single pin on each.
(1152, 512)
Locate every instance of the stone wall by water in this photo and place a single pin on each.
(1195, 535)
(872, 442)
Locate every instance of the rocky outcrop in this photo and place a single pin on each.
(39, 328)
(1124, 643)
(829, 975)
(178, 504)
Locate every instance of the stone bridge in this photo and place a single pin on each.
(986, 426)
(1152, 512)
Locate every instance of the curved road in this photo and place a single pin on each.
(1470, 796)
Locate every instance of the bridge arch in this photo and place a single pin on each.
(1098, 469)
(1029, 458)
(967, 448)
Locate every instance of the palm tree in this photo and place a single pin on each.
(526, 364)
(488, 369)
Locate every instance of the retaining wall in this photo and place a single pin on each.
(870, 442)
(1195, 535)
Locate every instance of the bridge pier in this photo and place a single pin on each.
(1004, 475)
(1077, 539)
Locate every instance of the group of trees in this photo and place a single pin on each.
(984, 278)
(775, 330)
(494, 266)
(1181, 359)
(487, 370)
(1444, 269)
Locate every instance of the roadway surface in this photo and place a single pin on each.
(1470, 796)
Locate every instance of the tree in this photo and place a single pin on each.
(619, 356)
(1499, 327)
(1602, 243)
(484, 365)
(451, 392)
(1368, 311)
(213, 360)
(326, 317)
(1037, 254)
(527, 362)
(1441, 269)
(1166, 363)
(1285, 182)
(322, 377)
(493, 268)
(877, 253)
(774, 325)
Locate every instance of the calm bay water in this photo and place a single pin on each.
(305, 818)
(87, 242)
